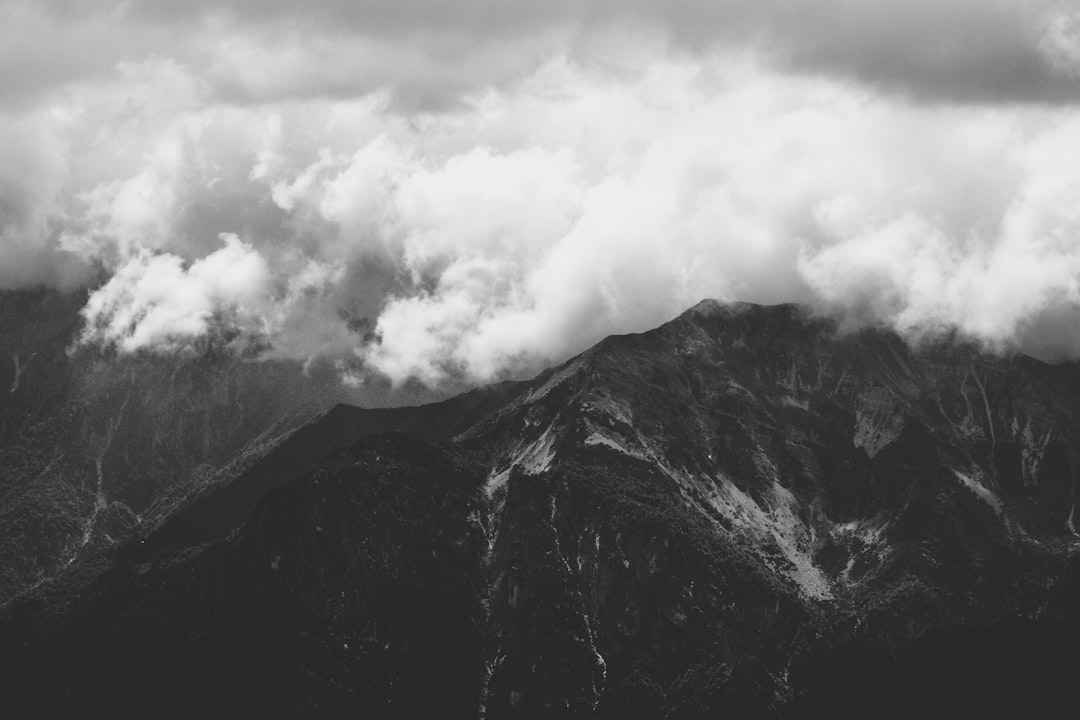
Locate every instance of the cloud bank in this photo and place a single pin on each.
(474, 195)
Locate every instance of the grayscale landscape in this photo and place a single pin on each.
(572, 361)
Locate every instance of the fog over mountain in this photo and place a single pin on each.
(475, 190)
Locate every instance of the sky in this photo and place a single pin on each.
(460, 192)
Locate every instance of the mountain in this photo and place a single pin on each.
(745, 512)
(95, 446)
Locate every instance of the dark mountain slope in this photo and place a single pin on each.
(94, 447)
(355, 593)
(742, 513)
(224, 508)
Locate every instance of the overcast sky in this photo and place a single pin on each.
(476, 189)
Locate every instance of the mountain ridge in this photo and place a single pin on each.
(743, 510)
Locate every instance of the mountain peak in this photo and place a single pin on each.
(748, 311)
(711, 306)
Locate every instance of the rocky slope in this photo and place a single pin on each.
(94, 447)
(743, 512)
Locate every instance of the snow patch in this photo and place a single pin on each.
(777, 524)
(556, 379)
(602, 436)
(737, 390)
(1032, 450)
(531, 458)
(791, 401)
(602, 404)
(636, 447)
(601, 439)
(876, 429)
(496, 481)
(20, 368)
(985, 495)
(792, 537)
(867, 531)
(536, 457)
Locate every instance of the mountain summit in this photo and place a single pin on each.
(745, 511)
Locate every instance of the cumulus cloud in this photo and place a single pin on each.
(154, 301)
(419, 201)
(991, 281)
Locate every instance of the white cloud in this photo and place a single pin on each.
(531, 216)
(154, 302)
(991, 280)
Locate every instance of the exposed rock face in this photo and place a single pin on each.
(742, 512)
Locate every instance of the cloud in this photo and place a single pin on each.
(33, 168)
(579, 205)
(623, 165)
(992, 282)
(154, 301)
(431, 52)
